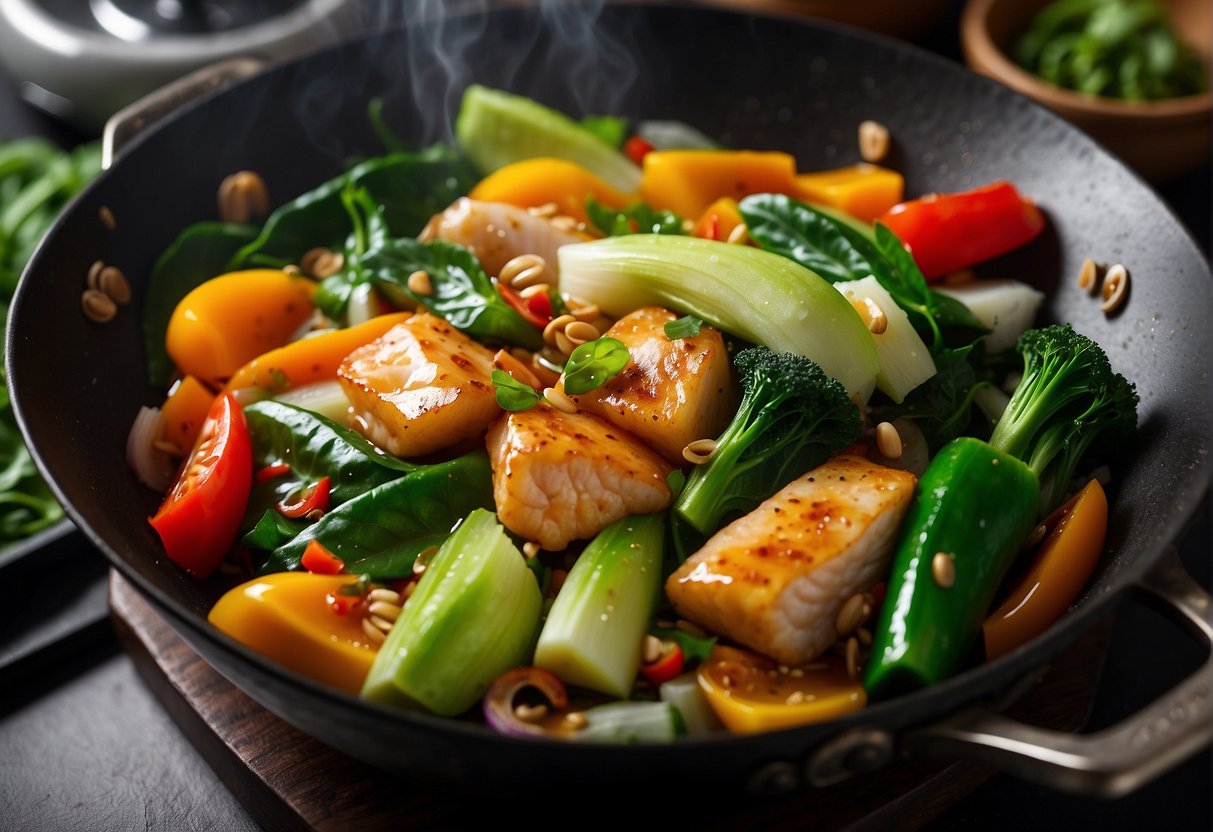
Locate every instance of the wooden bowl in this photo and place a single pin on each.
(1160, 139)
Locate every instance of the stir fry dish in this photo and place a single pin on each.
(599, 431)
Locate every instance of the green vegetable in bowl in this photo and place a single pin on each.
(1113, 48)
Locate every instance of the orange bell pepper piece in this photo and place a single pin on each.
(293, 618)
(719, 220)
(184, 411)
(864, 191)
(233, 318)
(534, 182)
(310, 359)
(1061, 569)
(688, 181)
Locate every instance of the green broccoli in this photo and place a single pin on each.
(1068, 398)
(792, 418)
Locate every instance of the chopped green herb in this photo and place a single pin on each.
(513, 395)
(634, 219)
(592, 363)
(687, 326)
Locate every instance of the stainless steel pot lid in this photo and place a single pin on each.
(84, 61)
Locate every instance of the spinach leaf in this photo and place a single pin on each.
(272, 530)
(463, 292)
(634, 219)
(410, 188)
(199, 253)
(314, 447)
(687, 326)
(381, 532)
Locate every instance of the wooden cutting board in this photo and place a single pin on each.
(288, 780)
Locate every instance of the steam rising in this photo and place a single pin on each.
(557, 50)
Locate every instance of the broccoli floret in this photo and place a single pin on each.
(792, 418)
(1068, 398)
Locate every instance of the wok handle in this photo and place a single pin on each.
(133, 119)
(1118, 759)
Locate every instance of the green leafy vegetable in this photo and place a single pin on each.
(272, 530)
(1114, 48)
(463, 294)
(591, 364)
(513, 395)
(409, 187)
(942, 407)
(687, 326)
(694, 648)
(634, 219)
(314, 447)
(792, 418)
(380, 533)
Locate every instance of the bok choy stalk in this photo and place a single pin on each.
(594, 630)
(753, 294)
(472, 617)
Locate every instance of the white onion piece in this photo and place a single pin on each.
(364, 304)
(152, 466)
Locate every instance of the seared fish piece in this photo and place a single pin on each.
(671, 392)
(497, 233)
(420, 387)
(776, 579)
(559, 477)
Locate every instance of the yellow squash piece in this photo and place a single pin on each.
(688, 181)
(534, 182)
(289, 617)
(184, 411)
(719, 220)
(864, 191)
(231, 319)
(315, 358)
(751, 694)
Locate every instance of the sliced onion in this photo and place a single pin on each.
(152, 466)
(499, 700)
(324, 397)
(363, 305)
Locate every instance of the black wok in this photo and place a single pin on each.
(750, 81)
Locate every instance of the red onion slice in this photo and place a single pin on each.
(499, 701)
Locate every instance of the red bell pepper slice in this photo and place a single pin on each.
(311, 499)
(318, 560)
(271, 472)
(199, 519)
(949, 232)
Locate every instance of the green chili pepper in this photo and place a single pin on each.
(975, 507)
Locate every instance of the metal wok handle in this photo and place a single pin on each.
(133, 119)
(1116, 760)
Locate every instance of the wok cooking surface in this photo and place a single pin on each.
(798, 88)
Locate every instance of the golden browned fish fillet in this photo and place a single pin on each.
(421, 387)
(559, 477)
(775, 579)
(496, 233)
(672, 392)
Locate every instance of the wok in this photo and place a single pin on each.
(749, 81)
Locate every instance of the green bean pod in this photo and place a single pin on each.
(975, 507)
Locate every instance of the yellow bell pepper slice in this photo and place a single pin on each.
(315, 358)
(688, 181)
(234, 318)
(864, 191)
(290, 617)
(184, 411)
(1062, 567)
(534, 182)
(751, 694)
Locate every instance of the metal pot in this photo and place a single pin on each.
(750, 81)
